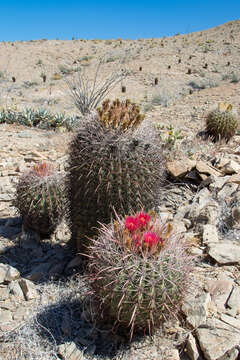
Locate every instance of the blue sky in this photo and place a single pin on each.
(104, 19)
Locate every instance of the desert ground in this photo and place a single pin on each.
(195, 72)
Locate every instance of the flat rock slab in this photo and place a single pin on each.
(225, 253)
(69, 351)
(216, 338)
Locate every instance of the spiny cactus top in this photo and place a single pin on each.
(123, 115)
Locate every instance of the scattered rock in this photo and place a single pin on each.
(210, 234)
(233, 301)
(69, 351)
(28, 289)
(196, 309)
(180, 168)
(8, 273)
(232, 167)
(225, 253)
(191, 348)
(219, 291)
(216, 338)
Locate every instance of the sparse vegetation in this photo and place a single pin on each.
(87, 94)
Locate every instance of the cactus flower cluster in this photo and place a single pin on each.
(143, 234)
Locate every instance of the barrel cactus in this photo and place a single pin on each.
(222, 122)
(139, 271)
(40, 198)
(109, 169)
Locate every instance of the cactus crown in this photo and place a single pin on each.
(123, 115)
(43, 170)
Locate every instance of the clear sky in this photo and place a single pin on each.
(104, 19)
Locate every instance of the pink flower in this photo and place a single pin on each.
(131, 223)
(143, 218)
(150, 238)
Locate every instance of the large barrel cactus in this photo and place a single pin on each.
(40, 198)
(109, 169)
(139, 272)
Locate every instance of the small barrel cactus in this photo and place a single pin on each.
(123, 115)
(109, 169)
(40, 198)
(222, 123)
(139, 271)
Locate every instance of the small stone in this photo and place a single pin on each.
(230, 321)
(234, 300)
(5, 316)
(210, 234)
(218, 183)
(28, 289)
(15, 290)
(216, 338)
(232, 167)
(8, 273)
(228, 189)
(230, 355)
(69, 351)
(180, 168)
(4, 293)
(219, 290)
(204, 168)
(225, 253)
(196, 309)
(191, 347)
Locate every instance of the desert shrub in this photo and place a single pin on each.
(87, 94)
(139, 271)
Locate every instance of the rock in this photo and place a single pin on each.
(230, 355)
(232, 167)
(4, 293)
(210, 234)
(225, 253)
(235, 179)
(216, 338)
(218, 183)
(172, 354)
(219, 291)
(204, 168)
(227, 190)
(8, 273)
(191, 348)
(15, 290)
(231, 321)
(233, 301)
(29, 289)
(69, 351)
(196, 309)
(180, 168)
(5, 316)
(6, 197)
